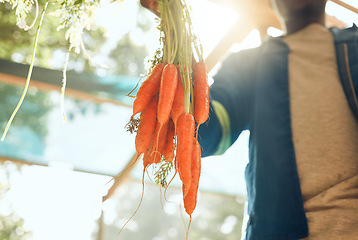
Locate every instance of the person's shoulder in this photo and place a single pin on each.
(346, 34)
(241, 63)
(243, 57)
(271, 45)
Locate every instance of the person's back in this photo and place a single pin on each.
(316, 130)
(325, 135)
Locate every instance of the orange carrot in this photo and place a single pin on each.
(147, 159)
(146, 126)
(185, 136)
(145, 130)
(168, 152)
(178, 103)
(158, 143)
(201, 92)
(191, 198)
(148, 89)
(168, 85)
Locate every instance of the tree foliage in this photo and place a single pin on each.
(67, 25)
(70, 25)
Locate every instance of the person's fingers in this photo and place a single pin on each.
(152, 5)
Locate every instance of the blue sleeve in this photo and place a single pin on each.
(230, 103)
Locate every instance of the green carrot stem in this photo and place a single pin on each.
(194, 38)
(174, 42)
(161, 11)
(187, 90)
(167, 31)
(28, 75)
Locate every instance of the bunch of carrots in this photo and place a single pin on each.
(173, 102)
(166, 131)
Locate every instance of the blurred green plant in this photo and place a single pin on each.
(12, 228)
(74, 15)
(68, 26)
(34, 112)
(11, 225)
(22, 8)
(129, 57)
(66, 20)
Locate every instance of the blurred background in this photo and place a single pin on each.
(55, 175)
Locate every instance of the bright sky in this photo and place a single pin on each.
(211, 29)
(57, 203)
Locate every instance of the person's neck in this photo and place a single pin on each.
(294, 25)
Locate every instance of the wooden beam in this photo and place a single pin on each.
(239, 30)
(345, 5)
(19, 81)
(252, 14)
(332, 21)
(21, 162)
(119, 178)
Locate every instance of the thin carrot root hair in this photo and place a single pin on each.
(187, 230)
(135, 87)
(166, 188)
(182, 217)
(161, 199)
(158, 137)
(146, 170)
(124, 170)
(140, 203)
